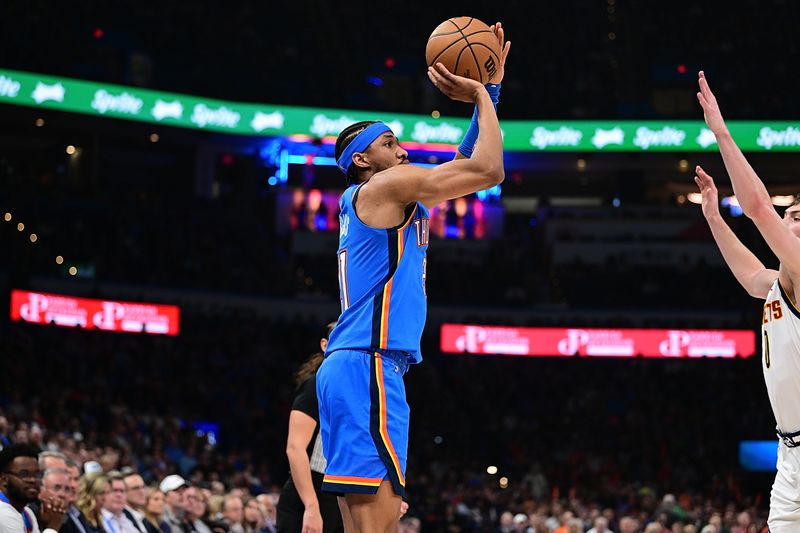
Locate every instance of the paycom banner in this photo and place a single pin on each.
(172, 109)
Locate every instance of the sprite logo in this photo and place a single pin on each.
(9, 87)
(666, 136)
(322, 125)
(44, 92)
(767, 137)
(563, 136)
(706, 138)
(203, 116)
(444, 133)
(164, 110)
(262, 121)
(603, 137)
(397, 127)
(124, 103)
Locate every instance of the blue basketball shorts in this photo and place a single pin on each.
(363, 417)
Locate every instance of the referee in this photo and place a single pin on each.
(303, 507)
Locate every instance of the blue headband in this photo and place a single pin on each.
(360, 143)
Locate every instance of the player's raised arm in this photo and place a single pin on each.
(748, 188)
(748, 270)
(405, 184)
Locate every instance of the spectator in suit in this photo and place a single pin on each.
(115, 519)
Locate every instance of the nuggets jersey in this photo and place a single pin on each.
(780, 338)
(381, 282)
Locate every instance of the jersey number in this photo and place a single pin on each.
(344, 297)
(766, 349)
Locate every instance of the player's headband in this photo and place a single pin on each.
(360, 143)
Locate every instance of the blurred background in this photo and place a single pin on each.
(243, 243)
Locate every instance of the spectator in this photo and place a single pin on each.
(193, 511)
(19, 479)
(55, 484)
(154, 511)
(654, 527)
(253, 517)
(52, 461)
(233, 513)
(269, 508)
(628, 524)
(74, 475)
(174, 487)
(566, 518)
(204, 513)
(600, 525)
(92, 493)
(5, 440)
(135, 494)
(115, 519)
(575, 526)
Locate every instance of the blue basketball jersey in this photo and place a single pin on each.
(381, 282)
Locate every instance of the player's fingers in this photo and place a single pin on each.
(435, 77)
(446, 74)
(504, 55)
(431, 76)
(705, 88)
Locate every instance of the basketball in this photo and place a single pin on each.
(466, 47)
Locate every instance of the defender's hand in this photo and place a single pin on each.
(709, 192)
(708, 101)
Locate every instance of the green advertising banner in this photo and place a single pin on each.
(133, 103)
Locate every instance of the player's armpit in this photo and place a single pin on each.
(761, 283)
(783, 243)
(407, 183)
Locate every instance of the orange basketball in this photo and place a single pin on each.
(466, 46)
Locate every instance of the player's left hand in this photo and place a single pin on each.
(505, 46)
(403, 508)
(711, 111)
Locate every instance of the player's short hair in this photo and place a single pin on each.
(796, 200)
(344, 139)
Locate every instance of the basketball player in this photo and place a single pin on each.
(781, 316)
(383, 239)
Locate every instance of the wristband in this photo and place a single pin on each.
(468, 142)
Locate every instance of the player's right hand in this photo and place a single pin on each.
(709, 192)
(455, 87)
(711, 111)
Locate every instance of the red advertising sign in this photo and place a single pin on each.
(587, 342)
(68, 311)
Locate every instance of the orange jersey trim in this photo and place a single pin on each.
(354, 480)
(383, 426)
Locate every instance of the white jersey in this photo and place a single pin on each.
(780, 336)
